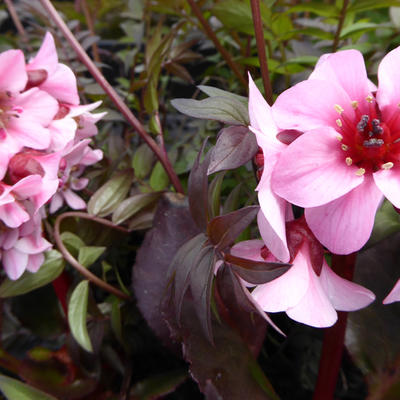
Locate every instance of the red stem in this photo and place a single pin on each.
(262, 56)
(61, 286)
(113, 95)
(333, 344)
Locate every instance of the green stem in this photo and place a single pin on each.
(340, 25)
(210, 33)
(258, 30)
(333, 344)
(113, 95)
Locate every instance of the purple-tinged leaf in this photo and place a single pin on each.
(220, 108)
(256, 272)
(233, 199)
(214, 195)
(235, 146)
(223, 230)
(173, 226)
(216, 92)
(198, 190)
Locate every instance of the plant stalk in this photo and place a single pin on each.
(74, 263)
(262, 56)
(333, 344)
(116, 99)
(340, 25)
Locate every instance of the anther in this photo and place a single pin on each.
(340, 138)
(360, 172)
(345, 147)
(339, 123)
(349, 161)
(354, 104)
(369, 98)
(373, 142)
(338, 109)
(387, 165)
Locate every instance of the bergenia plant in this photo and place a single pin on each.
(238, 242)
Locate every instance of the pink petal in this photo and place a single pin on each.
(37, 106)
(35, 261)
(309, 105)
(287, 290)
(312, 170)
(388, 94)
(343, 294)
(13, 215)
(314, 308)
(9, 238)
(260, 112)
(79, 184)
(13, 76)
(73, 200)
(388, 181)
(394, 294)
(29, 133)
(346, 69)
(91, 156)
(61, 84)
(76, 111)
(28, 186)
(62, 132)
(14, 263)
(56, 202)
(344, 225)
(32, 245)
(250, 249)
(48, 188)
(46, 58)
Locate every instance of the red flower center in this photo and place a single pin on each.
(368, 142)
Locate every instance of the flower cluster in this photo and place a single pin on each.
(331, 145)
(44, 147)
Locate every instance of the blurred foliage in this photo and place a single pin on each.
(156, 53)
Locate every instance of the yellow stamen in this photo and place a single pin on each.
(387, 165)
(338, 108)
(354, 104)
(369, 98)
(339, 123)
(345, 147)
(340, 138)
(360, 172)
(349, 161)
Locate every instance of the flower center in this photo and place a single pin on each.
(368, 142)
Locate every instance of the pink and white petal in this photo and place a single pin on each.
(28, 186)
(56, 203)
(6, 153)
(49, 163)
(343, 294)
(250, 249)
(287, 290)
(91, 156)
(29, 133)
(345, 224)
(388, 182)
(13, 77)
(14, 263)
(35, 261)
(62, 132)
(346, 69)
(9, 238)
(74, 155)
(32, 245)
(388, 94)
(13, 215)
(394, 294)
(48, 188)
(269, 144)
(73, 200)
(77, 110)
(78, 184)
(314, 308)
(46, 58)
(310, 104)
(61, 84)
(260, 112)
(312, 170)
(37, 106)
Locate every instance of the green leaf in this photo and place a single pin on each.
(233, 199)
(357, 28)
(77, 312)
(366, 5)
(214, 194)
(323, 10)
(216, 92)
(89, 254)
(50, 270)
(16, 390)
(159, 179)
(72, 242)
(109, 196)
(132, 205)
(395, 16)
(142, 161)
(219, 108)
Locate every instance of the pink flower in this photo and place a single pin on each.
(274, 209)
(300, 292)
(45, 72)
(348, 158)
